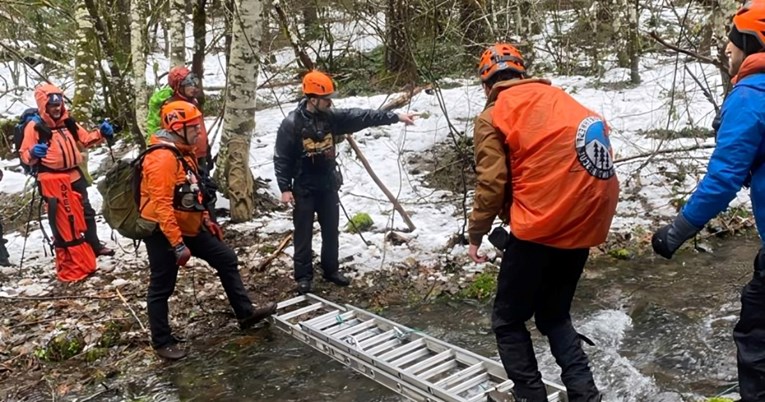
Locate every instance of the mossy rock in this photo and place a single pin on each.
(111, 336)
(361, 222)
(719, 399)
(621, 253)
(95, 354)
(62, 347)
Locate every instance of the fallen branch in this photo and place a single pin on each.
(662, 151)
(50, 298)
(131, 310)
(263, 265)
(396, 205)
(687, 52)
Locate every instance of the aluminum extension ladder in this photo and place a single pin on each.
(408, 362)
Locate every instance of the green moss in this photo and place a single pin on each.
(62, 347)
(360, 222)
(95, 354)
(483, 287)
(719, 399)
(621, 253)
(111, 336)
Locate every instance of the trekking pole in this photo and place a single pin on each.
(26, 233)
(356, 229)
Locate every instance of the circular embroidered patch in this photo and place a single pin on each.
(594, 149)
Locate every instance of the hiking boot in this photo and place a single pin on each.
(258, 315)
(106, 251)
(338, 279)
(170, 352)
(304, 287)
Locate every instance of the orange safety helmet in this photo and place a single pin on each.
(176, 76)
(319, 85)
(750, 19)
(499, 57)
(176, 115)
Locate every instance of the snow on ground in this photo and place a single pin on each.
(647, 191)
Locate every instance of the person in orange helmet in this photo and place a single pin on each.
(171, 196)
(52, 144)
(544, 161)
(738, 160)
(307, 174)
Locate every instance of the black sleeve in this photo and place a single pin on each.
(285, 154)
(347, 121)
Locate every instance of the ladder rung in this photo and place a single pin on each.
(460, 375)
(333, 320)
(301, 311)
(384, 346)
(290, 302)
(368, 334)
(312, 321)
(439, 369)
(410, 357)
(363, 326)
(377, 339)
(473, 382)
(446, 354)
(341, 326)
(393, 354)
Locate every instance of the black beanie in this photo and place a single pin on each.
(744, 41)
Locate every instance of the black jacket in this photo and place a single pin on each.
(304, 155)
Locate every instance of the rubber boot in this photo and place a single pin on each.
(566, 347)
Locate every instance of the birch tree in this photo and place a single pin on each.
(177, 32)
(84, 65)
(233, 172)
(138, 45)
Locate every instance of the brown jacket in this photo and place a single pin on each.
(492, 191)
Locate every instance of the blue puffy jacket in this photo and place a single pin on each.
(740, 146)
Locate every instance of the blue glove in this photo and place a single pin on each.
(670, 237)
(40, 150)
(107, 130)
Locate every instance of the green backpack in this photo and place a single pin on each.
(158, 98)
(121, 191)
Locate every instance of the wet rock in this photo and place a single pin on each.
(396, 238)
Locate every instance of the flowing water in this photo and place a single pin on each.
(662, 331)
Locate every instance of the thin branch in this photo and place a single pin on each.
(687, 52)
(662, 151)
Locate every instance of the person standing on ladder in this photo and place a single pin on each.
(544, 161)
(60, 152)
(738, 160)
(307, 173)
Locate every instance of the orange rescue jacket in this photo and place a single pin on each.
(162, 173)
(63, 149)
(564, 185)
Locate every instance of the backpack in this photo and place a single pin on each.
(156, 101)
(44, 133)
(121, 191)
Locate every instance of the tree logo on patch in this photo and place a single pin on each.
(594, 149)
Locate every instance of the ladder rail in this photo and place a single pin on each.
(409, 362)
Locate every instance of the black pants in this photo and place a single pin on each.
(164, 273)
(540, 281)
(324, 204)
(749, 335)
(91, 233)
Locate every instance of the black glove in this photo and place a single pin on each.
(670, 237)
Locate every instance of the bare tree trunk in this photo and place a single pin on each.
(633, 11)
(138, 48)
(311, 21)
(233, 171)
(84, 65)
(398, 51)
(200, 29)
(177, 33)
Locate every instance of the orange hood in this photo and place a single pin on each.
(41, 97)
(754, 63)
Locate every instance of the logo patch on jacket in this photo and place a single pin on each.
(324, 147)
(594, 149)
